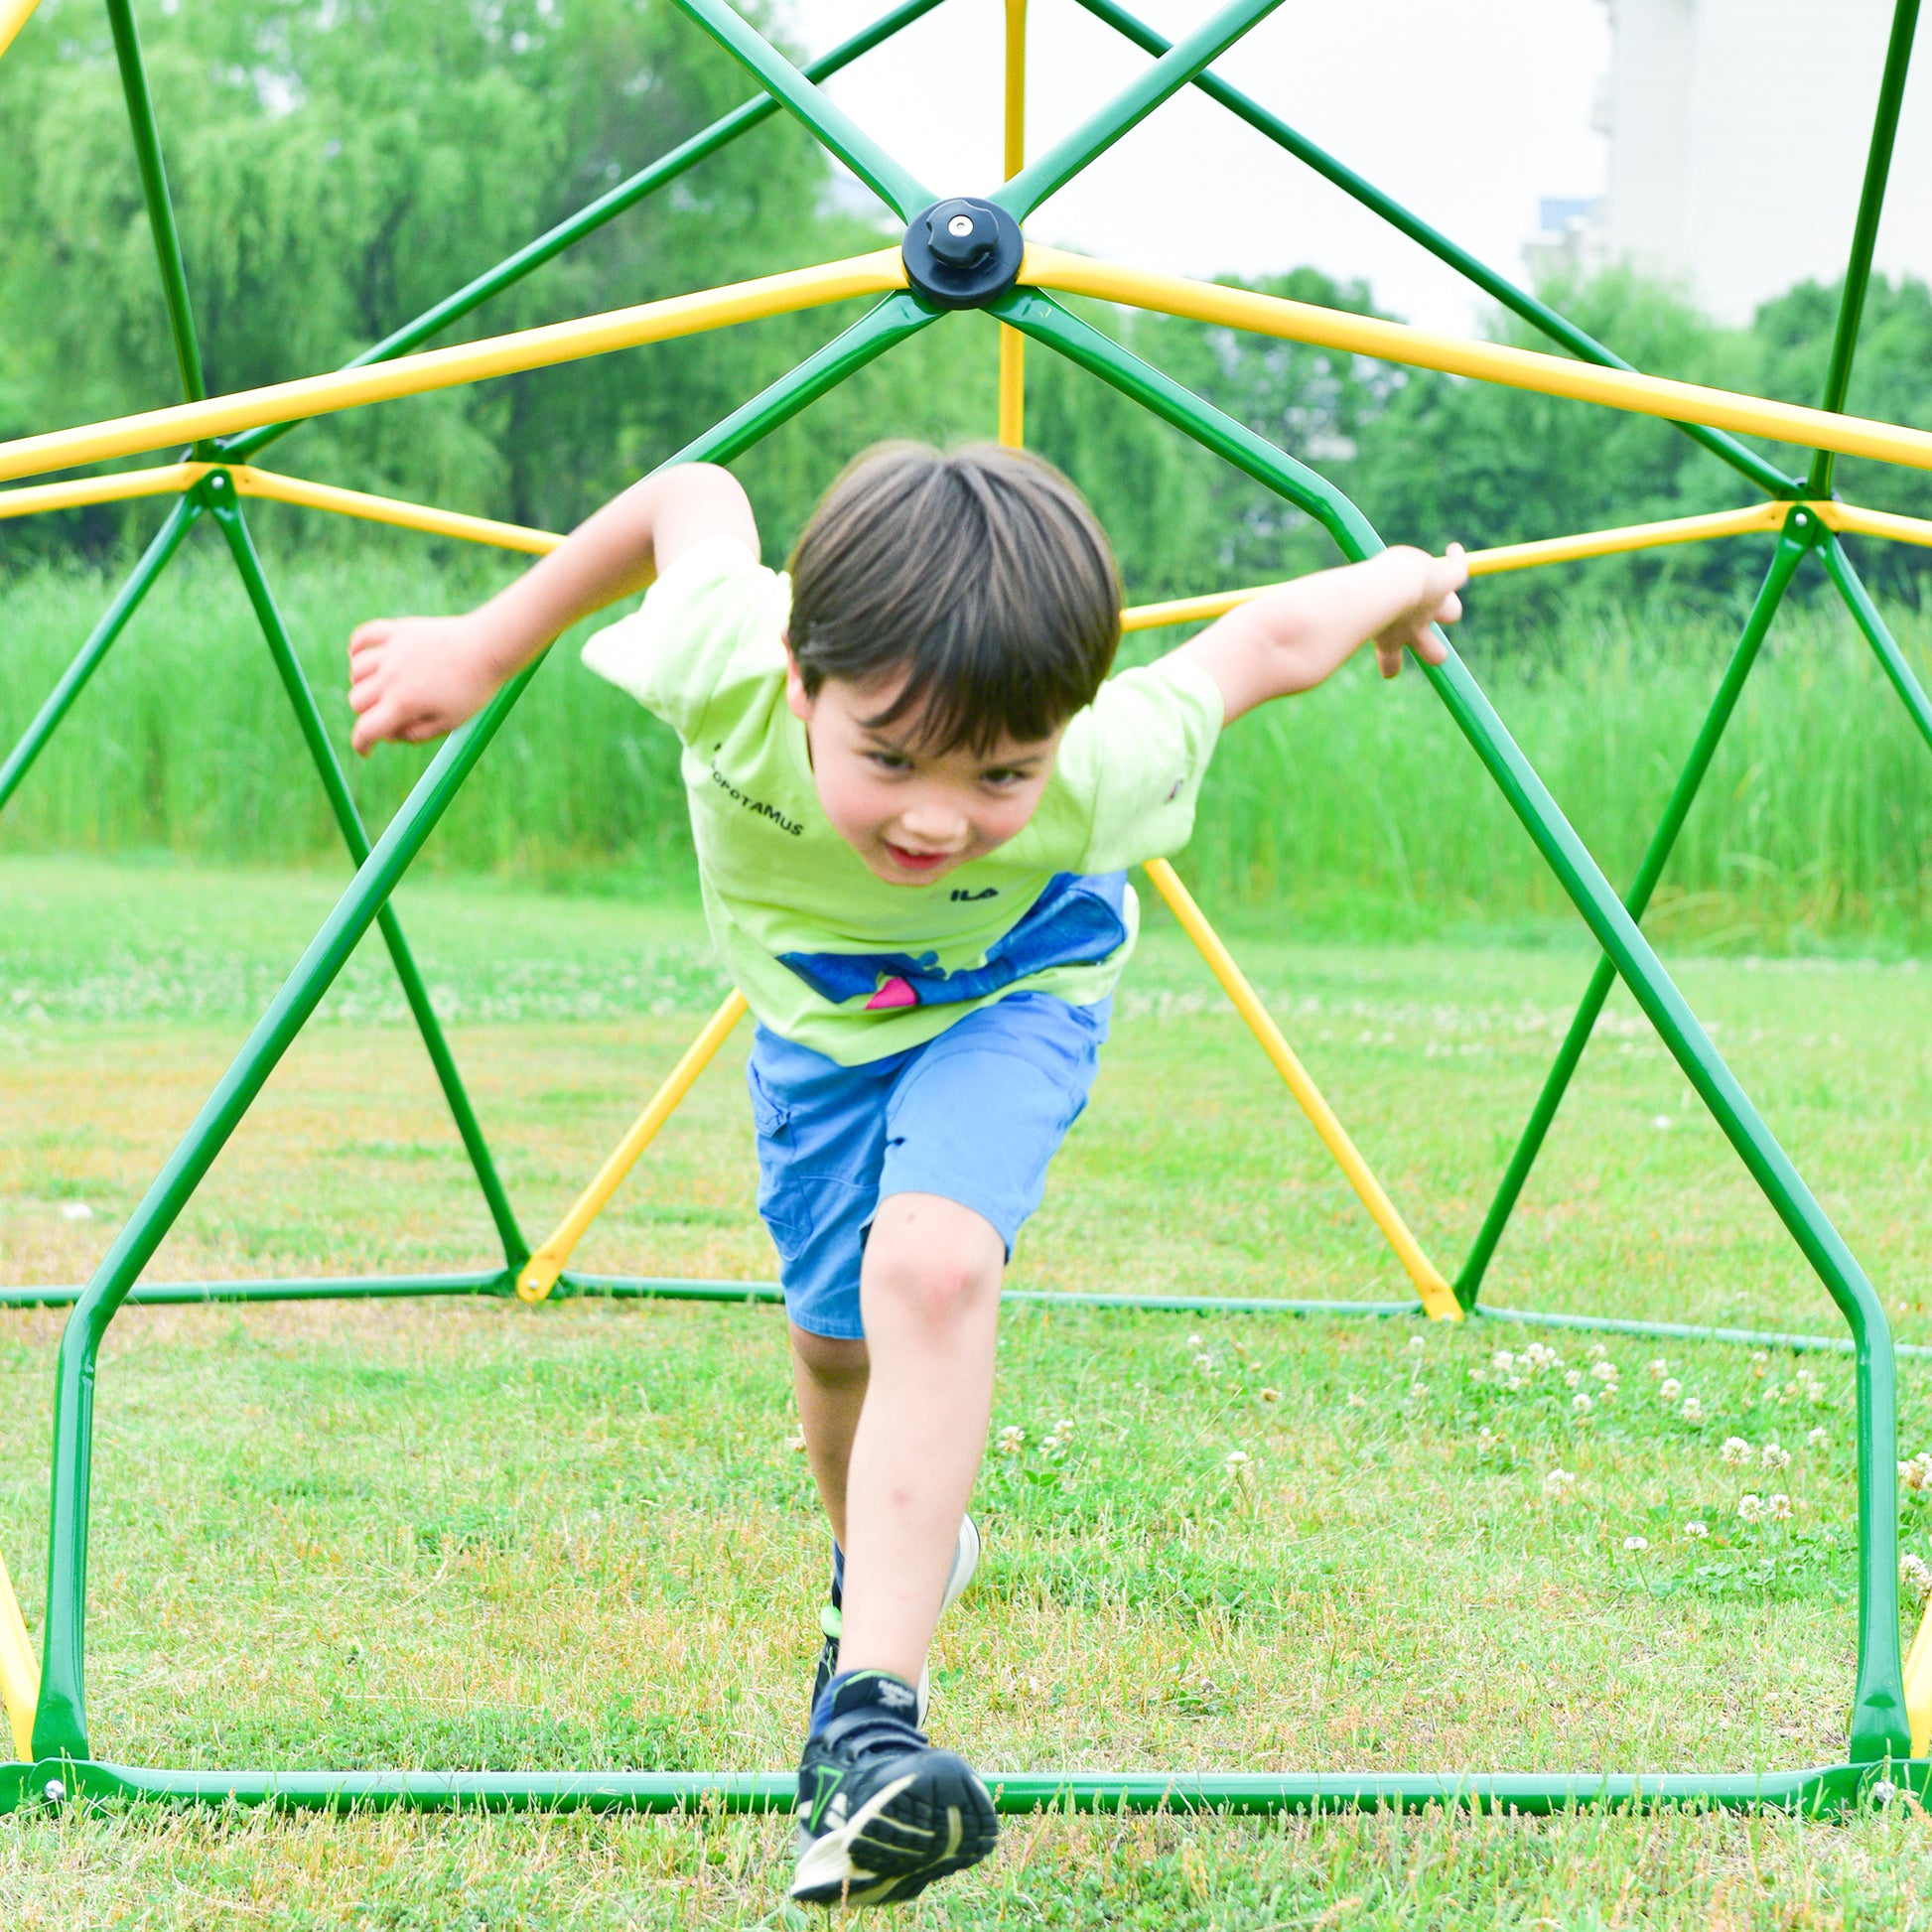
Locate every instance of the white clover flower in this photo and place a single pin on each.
(1692, 1408)
(1235, 1461)
(1063, 1430)
(1574, 1379)
(1914, 1576)
(1604, 1371)
(1205, 1363)
(1558, 1483)
(1597, 1352)
(1013, 1438)
(1417, 1344)
(1487, 1442)
(1697, 1530)
(1661, 1122)
(1760, 1362)
(76, 1210)
(1917, 1473)
(1818, 1438)
(1636, 1543)
(1736, 1450)
(1778, 1506)
(1750, 1508)
(796, 1442)
(1502, 1361)
(1659, 1368)
(1514, 1382)
(1193, 1341)
(1271, 1395)
(1478, 1375)
(1581, 1404)
(1670, 1388)
(1775, 1456)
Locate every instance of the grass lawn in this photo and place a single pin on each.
(480, 1535)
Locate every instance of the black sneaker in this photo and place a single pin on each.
(831, 1619)
(881, 1813)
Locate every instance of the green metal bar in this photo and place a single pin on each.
(1800, 530)
(1180, 65)
(161, 210)
(1690, 1331)
(1865, 236)
(300, 1287)
(1878, 1727)
(59, 1724)
(832, 125)
(1858, 600)
(220, 494)
(59, 701)
(594, 215)
(1821, 1790)
(1539, 314)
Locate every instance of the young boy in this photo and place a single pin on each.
(913, 802)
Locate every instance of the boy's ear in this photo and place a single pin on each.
(796, 696)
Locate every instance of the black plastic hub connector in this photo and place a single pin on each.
(962, 254)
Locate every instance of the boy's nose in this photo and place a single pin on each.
(939, 826)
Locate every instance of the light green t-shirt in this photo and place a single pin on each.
(706, 653)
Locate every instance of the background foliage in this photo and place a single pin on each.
(340, 165)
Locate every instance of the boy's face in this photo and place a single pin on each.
(913, 814)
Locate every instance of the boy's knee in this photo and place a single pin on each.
(831, 1361)
(934, 1260)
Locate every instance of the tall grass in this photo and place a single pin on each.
(1356, 807)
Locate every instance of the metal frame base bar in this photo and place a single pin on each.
(1821, 1790)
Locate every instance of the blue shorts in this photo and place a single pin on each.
(974, 1115)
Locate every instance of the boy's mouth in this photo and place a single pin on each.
(916, 861)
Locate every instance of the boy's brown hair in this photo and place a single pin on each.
(980, 572)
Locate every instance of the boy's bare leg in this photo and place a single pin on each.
(931, 1293)
(828, 1378)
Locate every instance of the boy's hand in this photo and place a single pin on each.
(412, 679)
(1291, 637)
(1437, 603)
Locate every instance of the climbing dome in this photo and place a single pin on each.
(963, 253)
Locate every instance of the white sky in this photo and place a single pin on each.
(1468, 111)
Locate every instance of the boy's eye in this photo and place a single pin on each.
(890, 760)
(1003, 778)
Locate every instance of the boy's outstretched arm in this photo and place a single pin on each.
(1289, 639)
(412, 679)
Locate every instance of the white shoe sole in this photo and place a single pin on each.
(965, 1559)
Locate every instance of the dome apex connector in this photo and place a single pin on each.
(962, 252)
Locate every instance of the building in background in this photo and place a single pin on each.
(1738, 135)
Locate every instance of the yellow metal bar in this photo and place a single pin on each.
(20, 1677)
(444, 368)
(1012, 344)
(1437, 1297)
(541, 1272)
(1918, 1686)
(13, 17)
(1517, 556)
(1874, 523)
(1516, 368)
(276, 488)
(165, 480)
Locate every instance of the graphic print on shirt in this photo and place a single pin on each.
(1077, 921)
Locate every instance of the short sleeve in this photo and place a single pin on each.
(1139, 753)
(714, 614)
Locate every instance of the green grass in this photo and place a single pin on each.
(1356, 809)
(479, 1535)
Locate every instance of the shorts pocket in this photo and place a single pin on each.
(784, 1204)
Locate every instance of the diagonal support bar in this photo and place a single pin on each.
(1878, 1728)
(538, 1275)
(1864, 236)
(14, 15)
(1864, 614)
(447, 368)
(1128, 108)
(1499, 362)
(349, 820)
(589, 218)
(1437, 1299)
(86, 661)
(161, 209)
(61, 1725)
(19, 1678)
(1539, 314)
(834, 128)
(1799, 535)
